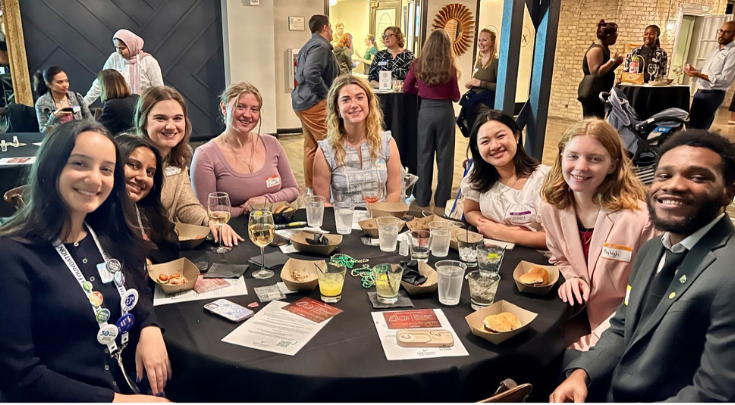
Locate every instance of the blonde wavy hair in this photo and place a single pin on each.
(494, 51)
(621, 189)
(335, 123)
(235, 91)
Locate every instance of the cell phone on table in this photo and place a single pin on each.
(229, 310)
(279, 240)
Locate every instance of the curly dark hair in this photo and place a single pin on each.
(606, 29)
(701, 138)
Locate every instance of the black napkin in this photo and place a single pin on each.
(403, 301)
(317, 239)
(219, 270)
(273, 260)
(411, 273)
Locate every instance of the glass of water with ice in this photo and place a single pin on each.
(314, 210)
(490, 257)
(343, 212)
(451, 275)
(441, 235)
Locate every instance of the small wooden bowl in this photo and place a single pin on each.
(182, 266)
(191, 236)
(429, 286)
(305, 266)
(393, 209)
(299, 243)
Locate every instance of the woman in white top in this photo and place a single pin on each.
(502, 191)
(140, 69)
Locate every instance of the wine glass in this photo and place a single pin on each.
(652, 69)
(372, 192)
(261, 230)
(218, 207)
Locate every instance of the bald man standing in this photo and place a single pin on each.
(714, 79)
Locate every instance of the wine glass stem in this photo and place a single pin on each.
(262, 258)
(220, 236)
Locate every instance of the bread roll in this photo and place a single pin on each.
(515, 323)
(542, 272)
(497, 324)
(531, 279)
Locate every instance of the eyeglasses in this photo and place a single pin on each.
(386, 36)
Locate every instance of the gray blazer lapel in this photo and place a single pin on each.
(639, 285)
(696, 261)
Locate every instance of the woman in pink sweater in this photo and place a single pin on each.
(252, 168)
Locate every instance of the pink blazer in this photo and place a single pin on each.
(606, 277)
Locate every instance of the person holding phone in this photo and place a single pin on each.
(57, 104)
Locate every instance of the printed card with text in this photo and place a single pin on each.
(412, 319)
(312, 309)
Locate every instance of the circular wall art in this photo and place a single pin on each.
(458, 22)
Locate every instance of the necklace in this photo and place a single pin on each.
(252, 152)
(349, 262)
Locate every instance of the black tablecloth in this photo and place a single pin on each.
(345, 360)
(401, 114)
(649, 100)
(12, 176)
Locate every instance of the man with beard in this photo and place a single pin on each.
(714, 79)
(673, 338)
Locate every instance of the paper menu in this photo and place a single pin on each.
(312, 309)
(237, 287)
(274, 330)
(411, 319)
(394, 352)
(18, 161)
(385, 81)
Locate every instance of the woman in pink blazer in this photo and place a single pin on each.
(595, 221)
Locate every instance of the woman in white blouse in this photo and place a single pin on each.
(140, 69)
(502, 191)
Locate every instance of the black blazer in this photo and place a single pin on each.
(684, 351)
(117, 114)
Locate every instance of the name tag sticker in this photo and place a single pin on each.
(520, 218)
(617, 252)
(383, 63)
(273, 181)
(627, 295)
(171, 170)
(76, 108)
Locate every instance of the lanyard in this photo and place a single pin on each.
(140, 223)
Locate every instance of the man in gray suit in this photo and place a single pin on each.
(673, 338)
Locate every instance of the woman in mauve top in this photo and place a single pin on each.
(252, 168)
(433, 76)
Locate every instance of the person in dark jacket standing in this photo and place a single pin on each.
(118, 103)
(317, 68)
(599, 70)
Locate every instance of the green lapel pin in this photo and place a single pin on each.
(683, 279)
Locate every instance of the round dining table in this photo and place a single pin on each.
(14, 174)
(345, 360)
(400, 116)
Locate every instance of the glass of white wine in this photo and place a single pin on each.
(218, 206)
(261, 230)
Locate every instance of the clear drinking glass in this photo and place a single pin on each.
(450, 274)
(388, 233)
(218, 208)
(372, 192)
(652, 69)
(466, 245)
(441, 235)
(331, 281)
(420, 245)
(261, 230)
(483, 287)
(343, 213)
(387, 282)
(314, 210)
(490, 257)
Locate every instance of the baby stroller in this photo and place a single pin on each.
(642, 138)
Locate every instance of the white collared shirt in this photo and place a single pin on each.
(688, 243)
(720, 68)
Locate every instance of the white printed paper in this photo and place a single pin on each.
(282, 286)
(288, 249)
(18, 161)
(500, 243)
(358, 216)
(385, 81)
(275, 330)
(395, 352)
(237, 287)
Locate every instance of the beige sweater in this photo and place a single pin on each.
(179, 199)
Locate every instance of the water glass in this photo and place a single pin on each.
(343, 213)
(483, 287)
(466, 245)
(441, 235)
(314, 210)
(388, 233)
(420, 245)
(450, 274)
(331, 281)
(490, 257)
(387, 282)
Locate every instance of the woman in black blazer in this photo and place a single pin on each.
(118, 103)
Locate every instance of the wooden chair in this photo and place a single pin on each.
(14, 197)
(509, 391)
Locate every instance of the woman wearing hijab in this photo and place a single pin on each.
(140, 69)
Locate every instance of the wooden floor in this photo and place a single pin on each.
(293, 144)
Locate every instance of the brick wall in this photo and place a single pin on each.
(577, 30)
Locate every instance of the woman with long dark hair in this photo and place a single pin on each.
(71, 287)
(56, 104)
(433, 76)
(144, 182)
(502, 190)
(599, 70)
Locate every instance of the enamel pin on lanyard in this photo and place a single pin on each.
(110, 270)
